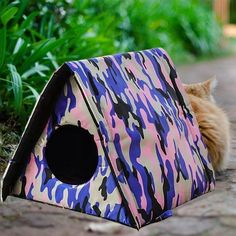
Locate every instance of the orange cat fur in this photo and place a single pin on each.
(213, 122)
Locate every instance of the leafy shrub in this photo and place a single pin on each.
(200, 31)
(25, 57)
(37, 36)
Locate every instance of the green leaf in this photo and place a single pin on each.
(28, 21)
(17, 87)
(3, 35)
(18, 45)
(34, 92)
(40, 52)
(37, 69)
(28, 99)
(50, 26)
(8, 14)
(23, 5)
(44, 22)
(52, 58)
(19, 52)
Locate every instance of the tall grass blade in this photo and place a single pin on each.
(3, 36)
(8, 14)
(22, 6)
(17, 87)
(48, 46)
(33, 91)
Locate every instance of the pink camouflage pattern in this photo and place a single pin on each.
(151, 156)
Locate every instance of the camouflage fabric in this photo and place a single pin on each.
(151, 156)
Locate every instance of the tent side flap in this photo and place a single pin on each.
(34, 128)
(48, 179)
(151, 134)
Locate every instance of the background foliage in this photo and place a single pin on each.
(37, 36)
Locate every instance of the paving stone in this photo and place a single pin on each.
(38, 220)
(213, 205)
(228, 221)
(186, 226)
(220, 230)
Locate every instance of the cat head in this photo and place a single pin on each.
(202, 90)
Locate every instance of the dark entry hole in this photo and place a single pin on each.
(71, 154)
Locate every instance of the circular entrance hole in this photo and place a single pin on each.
(71, 154)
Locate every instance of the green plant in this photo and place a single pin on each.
(25, 56)
(201, 33)
(29, 52)
(37, 36)
(180, 26)
(151, 23)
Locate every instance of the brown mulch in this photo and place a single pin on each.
(9, 138)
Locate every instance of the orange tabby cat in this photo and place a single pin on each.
(213, 122)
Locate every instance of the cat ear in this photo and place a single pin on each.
(213, 83)
(210, 84)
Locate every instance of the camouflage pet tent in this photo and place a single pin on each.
(112, 137)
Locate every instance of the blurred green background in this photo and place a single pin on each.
(38, 36)
(232, 10)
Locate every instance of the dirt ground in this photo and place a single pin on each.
(211, 214)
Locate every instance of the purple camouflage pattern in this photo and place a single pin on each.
(151, 155)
